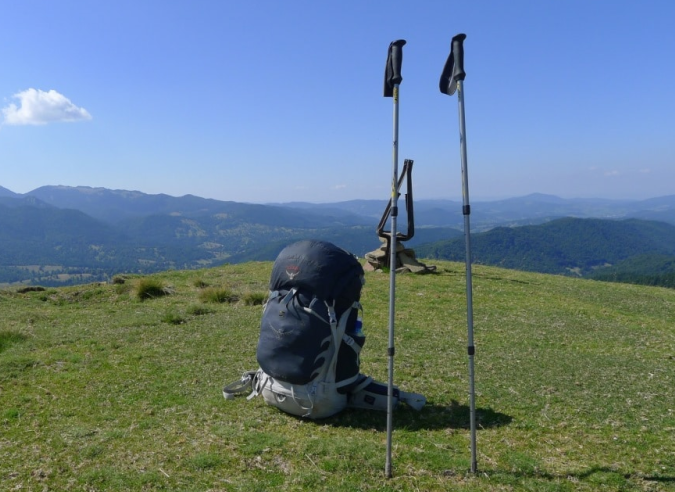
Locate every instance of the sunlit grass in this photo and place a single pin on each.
(102, 391)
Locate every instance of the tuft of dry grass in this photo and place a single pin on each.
(254, 298)
(218, 295)
(151, 288)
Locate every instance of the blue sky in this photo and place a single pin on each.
(277, 101)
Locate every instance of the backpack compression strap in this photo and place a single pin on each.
(348, 340)
(245, 384)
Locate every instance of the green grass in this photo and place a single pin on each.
(574, 378)
(200, 283)
(173, 318)
(8, 337)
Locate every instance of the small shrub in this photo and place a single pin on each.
(31, 288)
(254, 298)
(218, 295)
(118, 280)
(149, 288)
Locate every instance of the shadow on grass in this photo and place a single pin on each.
(626, 475)
(489, 277)
(659, 479)
(596, 474)
(452, 416)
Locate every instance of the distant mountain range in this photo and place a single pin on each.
(60, 234)
(532, 209)
(117, 205)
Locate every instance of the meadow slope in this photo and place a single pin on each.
(102, 391)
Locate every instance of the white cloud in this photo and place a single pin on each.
(38, 107)
(612, 173)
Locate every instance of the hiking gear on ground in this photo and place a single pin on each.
(452, 78)
(367, 393)
(311, 335)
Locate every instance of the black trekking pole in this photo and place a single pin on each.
(452, 79)
(392, 80)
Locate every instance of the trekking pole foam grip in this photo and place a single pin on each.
(458, 50)
(397, 61)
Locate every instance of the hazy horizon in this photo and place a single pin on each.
(454, 199)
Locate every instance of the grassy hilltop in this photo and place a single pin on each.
(100, 390)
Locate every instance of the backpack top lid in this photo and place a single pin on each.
(319, 267)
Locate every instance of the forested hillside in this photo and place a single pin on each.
(648, 269)
(602, 249)
(45, 245)
(58, 235)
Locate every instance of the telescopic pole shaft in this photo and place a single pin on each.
(392, 81)
(392, 288)
(466, 211)
(452, 80)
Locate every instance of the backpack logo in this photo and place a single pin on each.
(292, 271)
